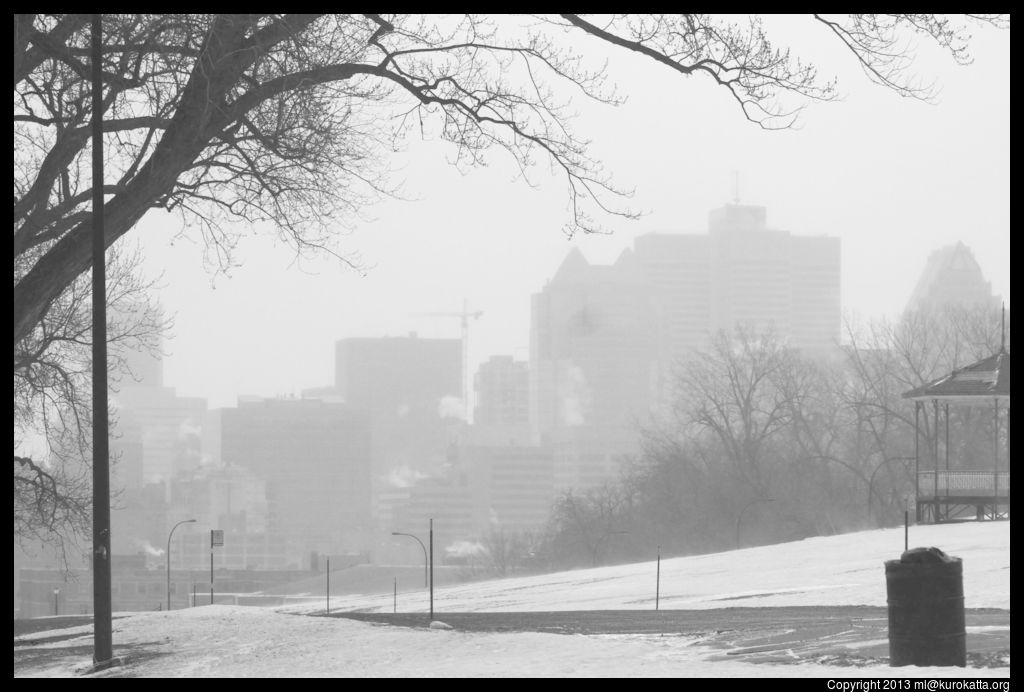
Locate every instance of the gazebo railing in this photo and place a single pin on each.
(962, 484)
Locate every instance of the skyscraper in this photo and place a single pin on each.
(412, 389)
(606, 340)
(315, 458)
(952, 278)
(502, 392)
(743, 272)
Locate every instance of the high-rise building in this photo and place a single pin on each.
(743, 272)
(512, 486)
(502, 392)
(594, 345)
(607, 340)
(412, 389)
(315, 459)
(156, 434)
(952, 278)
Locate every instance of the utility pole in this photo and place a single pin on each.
(431, 569)
(657, 584)
(103, 640)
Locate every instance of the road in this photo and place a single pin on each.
(841, 635)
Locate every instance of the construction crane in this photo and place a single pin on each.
(464, 318)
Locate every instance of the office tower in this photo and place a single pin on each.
(412, 389)
(607, 341)
(502, 393)
(952, 278)
(315, 459)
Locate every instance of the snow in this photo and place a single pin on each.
(835, 570)
(239, 641)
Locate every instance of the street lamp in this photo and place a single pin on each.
(56, 597)
(186, 521)
(425, 562)
(739, 519)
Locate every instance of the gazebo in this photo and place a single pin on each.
(945, 495)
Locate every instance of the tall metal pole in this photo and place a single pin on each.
(168, 553)
(657, 583)
(103, 643)
(431, 569)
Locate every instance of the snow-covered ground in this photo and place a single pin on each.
(235, 641)
(834, 570)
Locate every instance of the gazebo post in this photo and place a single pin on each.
(971, 385)
(917, 460)
(935, 428)
(995, 463)
(947, 449)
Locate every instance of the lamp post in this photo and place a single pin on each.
(425, 562)
(739, 519)
(657, 583)
(186, 521)
(56, 599)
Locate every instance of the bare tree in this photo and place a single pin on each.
(285, 118)
(740, 390)
(886, 358)
(288, 119)
(52, 399)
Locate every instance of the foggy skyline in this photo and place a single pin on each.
(894, 179)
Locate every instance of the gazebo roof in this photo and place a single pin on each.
(988, 378)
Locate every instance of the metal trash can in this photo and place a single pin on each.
(925, 590)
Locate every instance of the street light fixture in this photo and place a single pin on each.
(426, 584)
(186, 521)
(739, 519)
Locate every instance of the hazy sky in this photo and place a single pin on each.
(893, 178)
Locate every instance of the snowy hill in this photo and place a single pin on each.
(834, 570)
(238, 641)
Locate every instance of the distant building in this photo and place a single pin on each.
(952, 278)
(236, 501)
(606, 341)
(512, 486)
(412, 390)
(447, 500)
(315, 459)
(502, 393)
(743, 272)
(156, 434)
(595, 346)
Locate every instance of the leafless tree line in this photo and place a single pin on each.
(767, 444)
(233, 120)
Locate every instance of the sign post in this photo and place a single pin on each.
(216, 538)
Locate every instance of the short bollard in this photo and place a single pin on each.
(926, 609)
